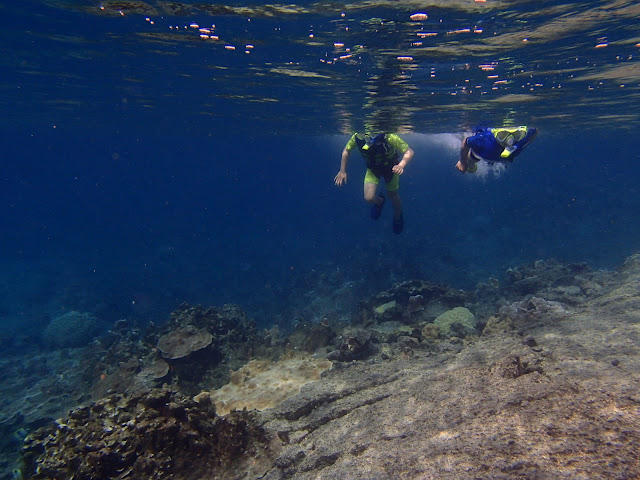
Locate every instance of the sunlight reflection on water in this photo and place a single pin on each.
(329, 68)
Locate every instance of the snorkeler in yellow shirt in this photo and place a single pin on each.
(387, 155)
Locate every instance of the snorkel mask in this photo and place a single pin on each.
(368, 139)
(508, 138)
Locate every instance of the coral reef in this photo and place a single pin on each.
(72, 329)
(458, 320)
(158, 435)
(533, 378)
(181, 342)
(353, 344)
(195, 349)
(409, 302)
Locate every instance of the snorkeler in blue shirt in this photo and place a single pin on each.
(493, 145)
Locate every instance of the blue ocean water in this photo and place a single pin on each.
(155, 154)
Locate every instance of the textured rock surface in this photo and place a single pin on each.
(262, 384)
(553, 396)
(549, 390)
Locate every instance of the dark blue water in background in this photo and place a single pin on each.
(142, 168)
(129, 227)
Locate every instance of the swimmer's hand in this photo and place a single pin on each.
(399, 168)
(341, 178)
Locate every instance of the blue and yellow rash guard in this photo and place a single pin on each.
(380, 152)
(500, 144)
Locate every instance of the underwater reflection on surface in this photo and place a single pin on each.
(326, 69)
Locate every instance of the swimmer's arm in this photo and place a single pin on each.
(344, 160)
(464, 155)
(341, 177)
(406, 158)
(464, 151)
